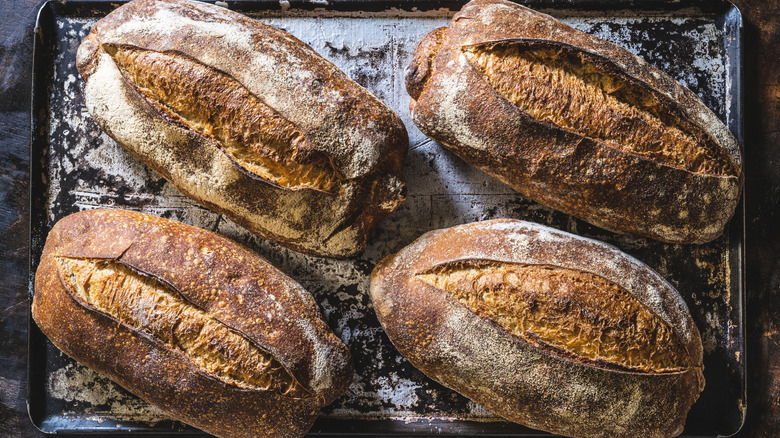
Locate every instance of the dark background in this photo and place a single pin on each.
(761, 79)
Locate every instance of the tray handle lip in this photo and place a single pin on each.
(733, 35)
(245, 6)
(36, 124)
(33, 332)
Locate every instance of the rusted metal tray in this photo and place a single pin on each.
(75, 166)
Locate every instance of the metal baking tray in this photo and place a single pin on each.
(75, 166)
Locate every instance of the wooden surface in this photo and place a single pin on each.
(762, 161)
(761, 79)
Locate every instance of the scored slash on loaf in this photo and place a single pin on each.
(247, 120)
(575, 123)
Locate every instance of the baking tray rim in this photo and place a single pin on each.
(374, 427)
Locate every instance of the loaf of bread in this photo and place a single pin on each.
(545, 328)
(575, 123)
(247, 120)
(190, 321)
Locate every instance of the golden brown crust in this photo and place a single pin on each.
(147, 306)
(561, 85)
(423, 61)
(531, 382)
(577, 123)
(578, 314)
(238, 296)
(214, 105)
(314, 162)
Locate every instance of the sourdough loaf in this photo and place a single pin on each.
(545, 328)
(575, 123)
(192, 322)
(247, 120)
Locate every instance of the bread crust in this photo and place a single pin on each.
(612, 187)
(530, 384)
(340, 123)
(224, 279)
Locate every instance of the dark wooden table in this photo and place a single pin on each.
(761, 79)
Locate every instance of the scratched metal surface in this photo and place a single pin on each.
(77, 167)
